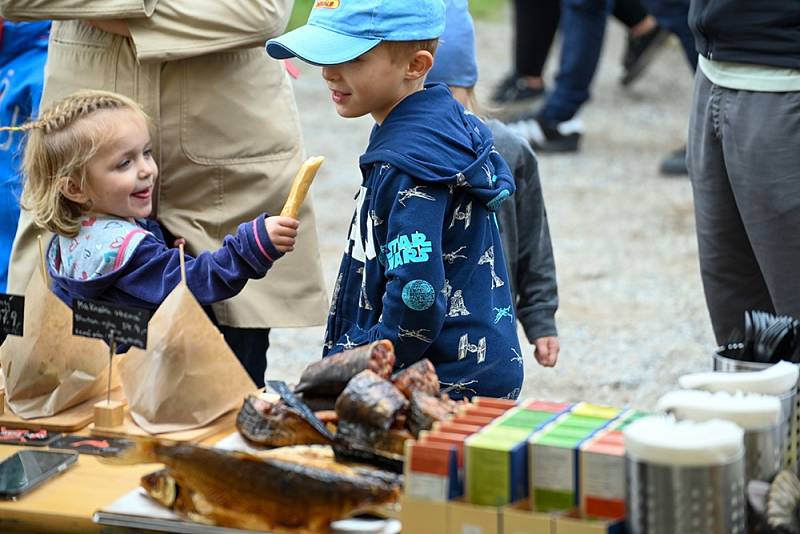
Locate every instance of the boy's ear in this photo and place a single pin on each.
(421, 62)
(71, 189)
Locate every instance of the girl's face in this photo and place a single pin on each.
(122, 175)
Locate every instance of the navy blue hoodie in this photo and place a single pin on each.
(424, 266)
(153, 270)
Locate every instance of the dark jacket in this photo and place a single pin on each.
(762, 32)
(526, 238)
(424, 265)
(154, 270)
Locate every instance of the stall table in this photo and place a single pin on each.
(66, 503)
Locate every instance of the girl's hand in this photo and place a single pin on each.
(547, 349)
(282, 232)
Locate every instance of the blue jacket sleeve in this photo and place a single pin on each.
(154, 270)
(414, 305)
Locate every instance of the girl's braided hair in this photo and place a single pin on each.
(59, 146)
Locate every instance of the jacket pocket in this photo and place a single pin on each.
(237, 107)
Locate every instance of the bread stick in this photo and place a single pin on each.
(300, 184)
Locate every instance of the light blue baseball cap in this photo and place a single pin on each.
(339, 31)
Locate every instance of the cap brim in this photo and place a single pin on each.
(319, 46)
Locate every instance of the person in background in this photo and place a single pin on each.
(523, 222)
(743, 157)
(23, 52)
(555, 127)
(535, 25)
(423, 266)
(227, 136)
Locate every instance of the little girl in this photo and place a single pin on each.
(91, 176)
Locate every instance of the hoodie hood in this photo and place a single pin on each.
(21, 37)
(430, 136)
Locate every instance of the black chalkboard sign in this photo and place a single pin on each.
(12, 312)
(110, 322)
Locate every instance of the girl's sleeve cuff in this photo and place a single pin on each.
(263, 242)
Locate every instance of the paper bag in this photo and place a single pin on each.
(48, 369)
(188, 375)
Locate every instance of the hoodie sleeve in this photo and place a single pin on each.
(414, 306)
(537, 300)
(154, 270)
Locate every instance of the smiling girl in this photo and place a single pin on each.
(90, 179)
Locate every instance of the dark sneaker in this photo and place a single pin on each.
(559, 138)
(675, 163)
(640, 52)
(513, 89)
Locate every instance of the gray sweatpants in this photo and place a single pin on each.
(744, 163)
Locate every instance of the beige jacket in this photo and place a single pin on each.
(227, 133)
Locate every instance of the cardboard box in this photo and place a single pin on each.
(483, 411)
(420, 516)
(554, 476)
(496, 471)
(596, 410)
(573, 522)
(602, 476)
(431, 471)
(464, 518)
(475, 420)
(506, 404)
(520, 518)
(547, 406)
(456, 428)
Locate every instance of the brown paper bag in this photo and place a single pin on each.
(48, 369)
(188, 376)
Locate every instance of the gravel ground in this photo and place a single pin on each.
(632, 316)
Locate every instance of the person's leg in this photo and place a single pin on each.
(760, 139)
(673, 16)
(631, 13)
(250, 347)
(583, 24)
(732, 279)
(535, 25)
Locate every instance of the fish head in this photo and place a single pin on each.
(161, 486)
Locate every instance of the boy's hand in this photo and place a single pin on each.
(282, 232)
(547, 349)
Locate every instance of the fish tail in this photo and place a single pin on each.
(141, 451)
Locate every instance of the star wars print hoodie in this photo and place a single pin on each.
(423, 266)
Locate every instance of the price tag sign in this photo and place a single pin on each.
(110, 322)
(12, 313)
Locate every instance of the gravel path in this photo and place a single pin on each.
(632, 316)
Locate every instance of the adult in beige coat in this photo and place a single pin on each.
(227, 135)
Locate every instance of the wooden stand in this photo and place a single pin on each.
(2, 402)
(109, 414)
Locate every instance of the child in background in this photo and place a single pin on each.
(424, 266)
(90, 177)
(523, 222)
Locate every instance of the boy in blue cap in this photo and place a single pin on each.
(424, 264)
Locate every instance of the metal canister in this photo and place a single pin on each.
(670, 499)
(790, 412)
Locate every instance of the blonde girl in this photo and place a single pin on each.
(90, 179)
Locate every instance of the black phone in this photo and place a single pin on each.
(24, 470)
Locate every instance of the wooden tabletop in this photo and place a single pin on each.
(66, 503)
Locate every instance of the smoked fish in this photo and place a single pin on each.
(275, 424)
(240, 490)
(329, 376)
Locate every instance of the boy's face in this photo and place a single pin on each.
(373, 83)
